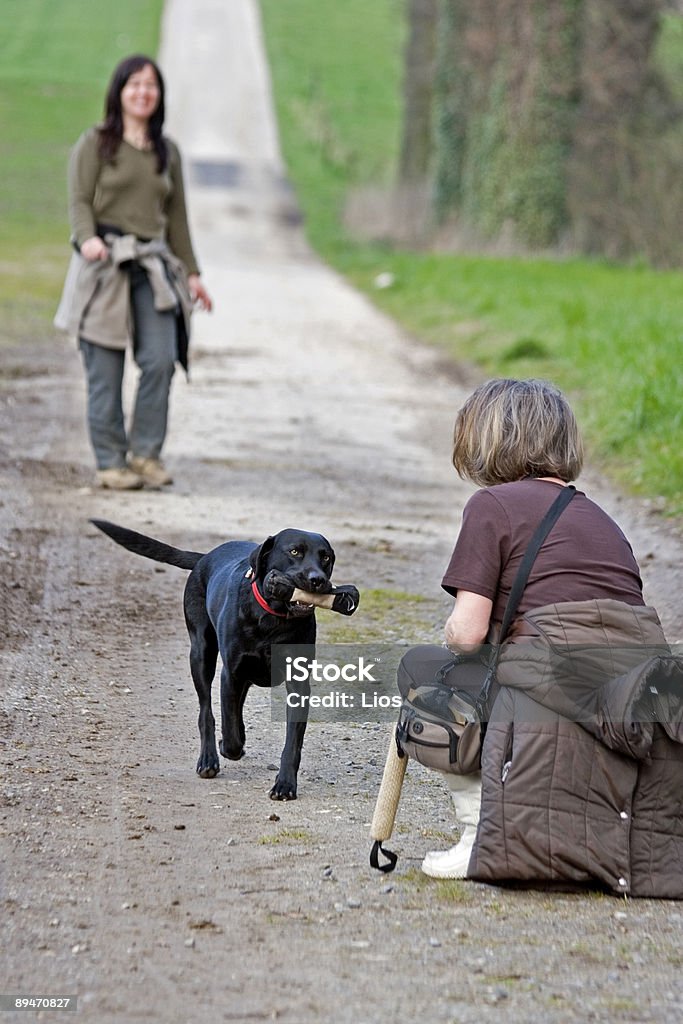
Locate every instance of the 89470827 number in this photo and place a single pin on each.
(31, 1002)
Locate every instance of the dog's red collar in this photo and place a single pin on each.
(264, 604)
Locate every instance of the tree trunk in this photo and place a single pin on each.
(418, 92)
(552, 127)
(507, 86)
(615, 210)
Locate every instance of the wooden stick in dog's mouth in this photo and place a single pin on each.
(319, 600)
(343, 600)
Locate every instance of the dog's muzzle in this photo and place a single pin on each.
(280, 587)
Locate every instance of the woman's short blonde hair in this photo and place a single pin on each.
(511, 429)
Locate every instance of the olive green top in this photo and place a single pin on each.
(128, 193)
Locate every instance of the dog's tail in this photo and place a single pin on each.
(147, 546)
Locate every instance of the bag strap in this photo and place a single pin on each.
(520, 581)
(540, 534)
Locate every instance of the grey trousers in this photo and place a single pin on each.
(154, 351)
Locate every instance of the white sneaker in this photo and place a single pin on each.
(451, 863)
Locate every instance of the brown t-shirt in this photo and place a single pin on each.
(584, 557)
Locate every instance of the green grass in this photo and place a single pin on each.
(388, 616)
(56, 57)
(611, 336)
(448, 890)
(338, 106)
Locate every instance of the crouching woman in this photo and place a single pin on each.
(582, 762)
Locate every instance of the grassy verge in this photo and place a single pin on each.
(609, 335)
(55, 62)
(338, 106)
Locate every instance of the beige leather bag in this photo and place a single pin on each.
(441, 724)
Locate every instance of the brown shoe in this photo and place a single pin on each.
(152, 471)
(119, 478)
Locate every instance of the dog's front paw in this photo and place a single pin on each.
(208, 765)
(284, 789)
(233, 751)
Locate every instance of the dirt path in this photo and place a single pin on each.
(127, 881)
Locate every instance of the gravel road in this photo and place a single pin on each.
(128, 882)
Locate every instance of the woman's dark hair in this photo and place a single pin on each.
(111, 131)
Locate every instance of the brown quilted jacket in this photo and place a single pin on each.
(582, 764)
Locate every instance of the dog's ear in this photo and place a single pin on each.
(259, 557)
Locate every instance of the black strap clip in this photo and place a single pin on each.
(377, 848)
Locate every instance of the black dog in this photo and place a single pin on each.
(237, 603)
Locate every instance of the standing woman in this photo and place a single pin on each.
(133, 279)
